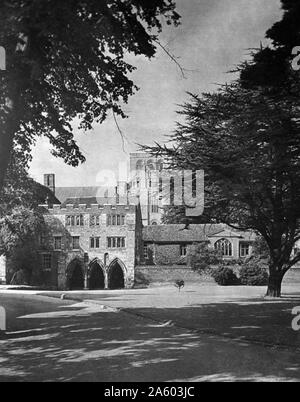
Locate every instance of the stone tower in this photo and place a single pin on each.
(49, 181)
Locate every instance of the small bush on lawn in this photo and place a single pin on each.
(254, 274)
(225, 276)
(179, 284)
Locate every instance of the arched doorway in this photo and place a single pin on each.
(75, 276)
(97, 280)
(116, 278)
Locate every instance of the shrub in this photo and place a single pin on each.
(254, 274)
(203, 258)
(225, 276)
(179, 284)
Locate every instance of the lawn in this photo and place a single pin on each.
(234, 312)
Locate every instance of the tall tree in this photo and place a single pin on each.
(247, 138)
(66, 59)
(270, 66)
(248, 143)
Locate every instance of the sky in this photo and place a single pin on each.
(215, 36)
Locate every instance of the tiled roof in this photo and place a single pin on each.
(64, 193)
(88, 196)
(87, 200)
(44, 194)
(178, 233)
(194, 233)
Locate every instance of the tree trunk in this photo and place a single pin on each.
(6, 145)
(274, 286)
(8, 128)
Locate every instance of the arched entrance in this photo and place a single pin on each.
(75, 280)
(97, 280)
(116, 279)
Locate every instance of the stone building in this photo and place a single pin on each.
(171, 244)
(89, 245)
(143, 183)
(139, 186)
(96, 242)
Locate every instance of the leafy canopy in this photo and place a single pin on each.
(67, 59)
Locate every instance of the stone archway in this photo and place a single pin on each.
(75, 275)
(96, 276)
(116, 275)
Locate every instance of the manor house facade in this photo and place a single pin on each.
(90, 245)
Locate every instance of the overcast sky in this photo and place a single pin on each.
(215, 35)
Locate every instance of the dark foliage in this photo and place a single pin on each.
(66, 60)
(179, 284)
(254, 273)
(225, 276)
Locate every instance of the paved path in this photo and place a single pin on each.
(53, 340)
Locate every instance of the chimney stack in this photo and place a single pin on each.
(49, 182)
(117, 195)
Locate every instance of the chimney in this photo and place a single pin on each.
(128, 188)
(49, 182)
(117, 195)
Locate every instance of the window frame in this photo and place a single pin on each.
(47, 267)
(183, 250)
(116, 242)
(225, 247)
(57, 238)
(242, 245)
(73, 243)
(75, 220)
(94, 220)
(116, 220)
(95, 242)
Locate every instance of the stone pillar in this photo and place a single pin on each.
(86, 281)
(106, 279)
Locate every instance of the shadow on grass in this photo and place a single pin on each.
(81, 345)
(255, 320)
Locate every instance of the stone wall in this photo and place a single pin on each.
(165, 254)
(147, 275)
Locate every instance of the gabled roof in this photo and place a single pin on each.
(43, 194)
(178, 233)
(229, 232)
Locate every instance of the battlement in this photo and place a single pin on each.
(58, 209)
